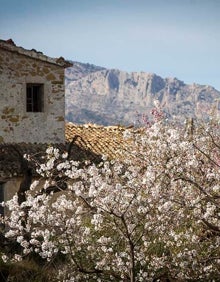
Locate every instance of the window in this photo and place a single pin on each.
(34, 97)
(1, 198)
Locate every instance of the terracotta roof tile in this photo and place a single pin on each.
(102, 140)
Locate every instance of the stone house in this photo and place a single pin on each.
(32, 108)
(32, 96)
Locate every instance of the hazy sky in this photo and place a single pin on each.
(172, 38)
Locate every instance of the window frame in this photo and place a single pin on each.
(34, 97)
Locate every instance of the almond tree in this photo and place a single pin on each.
(153, 215)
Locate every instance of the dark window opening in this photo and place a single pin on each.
(34, 98)
(1, 199)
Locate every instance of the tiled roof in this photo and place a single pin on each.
(101, 140)
(9, 45)
(90, 142)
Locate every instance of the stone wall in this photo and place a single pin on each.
(18, 125)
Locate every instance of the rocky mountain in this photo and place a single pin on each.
(80, 70)
(103, 96)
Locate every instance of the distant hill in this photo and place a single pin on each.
(109, 96)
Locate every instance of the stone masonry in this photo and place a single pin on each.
(18, 69)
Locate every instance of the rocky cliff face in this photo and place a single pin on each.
(103, 96)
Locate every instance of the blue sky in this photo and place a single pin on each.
(172, 38)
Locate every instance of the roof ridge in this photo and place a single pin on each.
(9, 45)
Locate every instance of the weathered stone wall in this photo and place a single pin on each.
(18, 125)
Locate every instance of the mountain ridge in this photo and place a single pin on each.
(109, 96)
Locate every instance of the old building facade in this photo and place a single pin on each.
(32, 96)
(32, 110)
